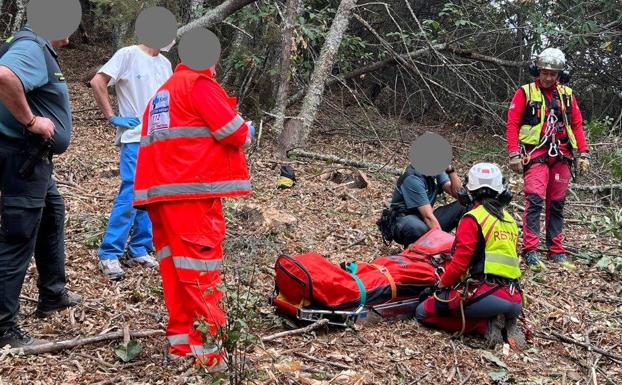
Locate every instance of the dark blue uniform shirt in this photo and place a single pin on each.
(416, 190)
(46, 97)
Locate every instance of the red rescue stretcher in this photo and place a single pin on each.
(309, 287)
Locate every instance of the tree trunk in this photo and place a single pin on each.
(286, 44)
(229, 73)
(11, 16)
(18, 21)
(215, 15)
(297, 130)
(7, 12)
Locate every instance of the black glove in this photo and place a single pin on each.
(287, 179)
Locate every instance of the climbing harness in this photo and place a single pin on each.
(549, 136)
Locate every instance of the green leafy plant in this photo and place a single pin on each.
(128, 352)
(599, 128)
(608, 224)
(613, 160)
(243, 304)
(94, 231)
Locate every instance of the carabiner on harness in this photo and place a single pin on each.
(554, 148)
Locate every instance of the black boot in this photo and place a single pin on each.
(16, 338)
(46, 307)
(494, 333)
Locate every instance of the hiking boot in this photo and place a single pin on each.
(144, 261)
(516, 337)
(16, 338)
(45, 308)
(563, 261)
(111, 269)
(494, 333)
(533, 262)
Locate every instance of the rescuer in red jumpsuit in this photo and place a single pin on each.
(544, 133)
(191, 156)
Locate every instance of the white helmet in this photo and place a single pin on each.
(485, 175)
(551, 59)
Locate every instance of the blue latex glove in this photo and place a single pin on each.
(125, 122)
(251, 128)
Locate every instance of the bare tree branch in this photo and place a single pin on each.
(215, 15)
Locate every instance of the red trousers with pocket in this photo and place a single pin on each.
(545, 184)
(485, 302)
(188, 237)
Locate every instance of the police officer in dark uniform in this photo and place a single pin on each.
(35, 123)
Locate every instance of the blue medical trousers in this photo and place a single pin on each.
(125, 221)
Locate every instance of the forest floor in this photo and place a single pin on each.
(336, 221)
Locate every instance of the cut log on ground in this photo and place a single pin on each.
(306, 329)
(68, 344)
(597, 188)
(348, 162)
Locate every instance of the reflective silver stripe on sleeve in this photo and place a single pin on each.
(229, 128)
(178, 339)
(192, 188)
(197, 264)
(163, 253)
(175, 133)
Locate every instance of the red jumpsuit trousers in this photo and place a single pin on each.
(188, 237)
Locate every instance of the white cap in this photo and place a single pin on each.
(551, 59)
(485, 175)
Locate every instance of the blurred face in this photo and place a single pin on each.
(60, 43)
(548, 78)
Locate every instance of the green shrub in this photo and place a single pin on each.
(599, 128)
(613, 160)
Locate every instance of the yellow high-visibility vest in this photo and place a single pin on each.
(530, 134)
(501, 237)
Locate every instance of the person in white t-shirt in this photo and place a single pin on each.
(136, 72)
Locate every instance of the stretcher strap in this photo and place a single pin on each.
(389, 277)
(351, 268)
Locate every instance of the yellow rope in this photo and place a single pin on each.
(462, 316)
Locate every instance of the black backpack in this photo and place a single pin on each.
(386, 223)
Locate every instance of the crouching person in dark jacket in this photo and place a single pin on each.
(411, 213)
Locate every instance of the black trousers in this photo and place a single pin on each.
(409, 228)
(32, 217)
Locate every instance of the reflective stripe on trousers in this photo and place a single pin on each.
(189, 263)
